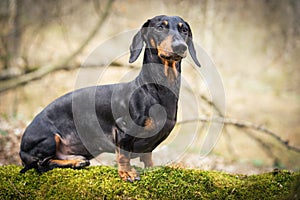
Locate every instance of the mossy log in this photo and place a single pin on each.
(102, 182)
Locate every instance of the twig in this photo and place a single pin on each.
(13, 185)
(229, 142)
(243, 124)
(212, 104)
(44, 70)
(267, 148)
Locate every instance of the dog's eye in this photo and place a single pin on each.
(184, 30)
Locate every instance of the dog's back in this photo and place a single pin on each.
(131, 119)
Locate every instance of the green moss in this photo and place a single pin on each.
(102, 182)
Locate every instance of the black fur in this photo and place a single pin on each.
(125, 128)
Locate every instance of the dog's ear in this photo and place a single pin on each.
(138, 43)
(191, 46)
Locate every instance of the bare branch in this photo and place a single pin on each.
(243, 124)
(212, 104)
(266, 147)
(229, 142)
(44, 70)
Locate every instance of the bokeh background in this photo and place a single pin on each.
(255, 46)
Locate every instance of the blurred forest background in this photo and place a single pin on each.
(255, 46)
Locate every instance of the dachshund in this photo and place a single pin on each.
(130, 119)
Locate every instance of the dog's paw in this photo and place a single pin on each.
(81, 163)
(130, 176)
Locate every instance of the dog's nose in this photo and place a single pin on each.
(179, 48)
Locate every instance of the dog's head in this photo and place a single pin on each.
(170, 37)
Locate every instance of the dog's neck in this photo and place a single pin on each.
(164, 88)
(160, 72)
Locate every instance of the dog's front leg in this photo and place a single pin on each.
(126, 172)
(124, 147)
(146, 158)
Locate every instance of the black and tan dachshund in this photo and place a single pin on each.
(131, 119)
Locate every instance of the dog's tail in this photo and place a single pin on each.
(28, 161)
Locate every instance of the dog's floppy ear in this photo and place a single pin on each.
(138, 43)
(191, 46)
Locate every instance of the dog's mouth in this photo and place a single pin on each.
(170, 59)
(172, 56)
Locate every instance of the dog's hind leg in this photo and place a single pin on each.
(65, 161)
(36, 150)
(75, 163)
(27, 158)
